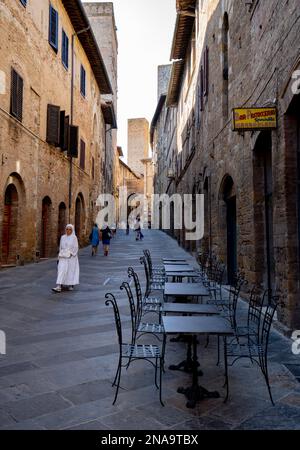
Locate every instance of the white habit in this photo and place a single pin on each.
(68, 268)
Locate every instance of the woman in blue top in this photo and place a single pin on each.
(95, 239)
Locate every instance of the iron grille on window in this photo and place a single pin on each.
(16, 104)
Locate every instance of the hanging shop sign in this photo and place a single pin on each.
(252, 119)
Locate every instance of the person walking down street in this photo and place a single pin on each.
(95, 239)
(68, 264)
(106, 238)
(138, 230)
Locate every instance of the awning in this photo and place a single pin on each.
(175, 83)
(108, 111)
(156, 116)
(183, 28)
(88, 41)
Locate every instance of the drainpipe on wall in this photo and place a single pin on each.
(72, 116)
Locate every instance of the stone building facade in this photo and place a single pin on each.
(52, 80)
(229, 54)
(102, 18)
(138, 143)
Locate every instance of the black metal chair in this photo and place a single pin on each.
(149, 304)
(256, 343)
(157, 273)
(151, 286)
(140, 328)
(129, 352)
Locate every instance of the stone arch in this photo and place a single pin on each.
(13, 207)
(80, 218)
(263, 210)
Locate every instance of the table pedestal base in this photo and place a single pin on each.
(195, 394)
(186, 366)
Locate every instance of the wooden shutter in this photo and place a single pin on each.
(93, 167)
(82, 81)
(206, 72)
(73, 143)
(82, 154)
(53, 125)
(65, 49)
(53, 28)
(62, 130)
(201, 88)
(16, 106)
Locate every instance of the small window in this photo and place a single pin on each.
(53, 28)
(16, 100)
(82, 154)
(24, 2)
(82, 81)
(65, 50)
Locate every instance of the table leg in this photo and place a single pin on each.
(188, 364)
(196, 392)
(226, 369)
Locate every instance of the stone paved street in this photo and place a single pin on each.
(62, 356)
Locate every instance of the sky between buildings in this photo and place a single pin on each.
(145, 32)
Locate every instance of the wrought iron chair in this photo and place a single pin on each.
(156, 272)
(255, 346)
(133, 352)
(151, 286)
(148, 304)
(140, 328)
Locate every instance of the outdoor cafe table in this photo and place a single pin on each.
(195, 326)
(190, 309)
(185, 290)
(178, 268)
(178, 276)
(166, 260)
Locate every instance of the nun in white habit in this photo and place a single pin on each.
(68, 265)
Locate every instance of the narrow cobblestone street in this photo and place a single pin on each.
(62, 355)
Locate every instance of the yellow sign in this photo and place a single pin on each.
(251, 119)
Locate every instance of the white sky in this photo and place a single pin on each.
(145, 32)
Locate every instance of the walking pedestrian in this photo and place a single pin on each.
(106, 238)
(68, 265)
(138, 230)
(95, 239)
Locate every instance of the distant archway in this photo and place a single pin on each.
(79, 217)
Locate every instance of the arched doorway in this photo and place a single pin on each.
(229, 225)
(10, 225)
(79, 218)
(62, 221)
(263, 210)
(46, 228)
